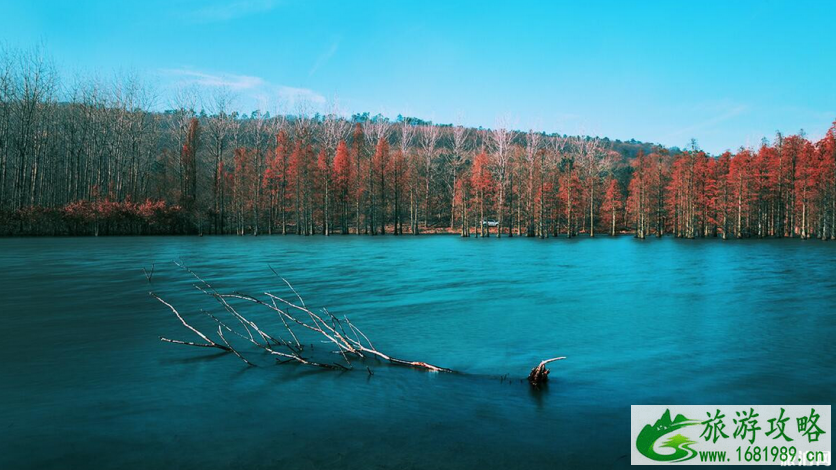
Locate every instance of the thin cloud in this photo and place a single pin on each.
(709, 123)
(325, 57)
(292, 94)
(258, 91)
(229, 10)
(233, 82)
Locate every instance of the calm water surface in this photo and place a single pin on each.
(85, 382)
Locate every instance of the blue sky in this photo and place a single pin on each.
(726, 73)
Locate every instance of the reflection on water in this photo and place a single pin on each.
(87, 384)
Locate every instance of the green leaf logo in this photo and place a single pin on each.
(662, 427)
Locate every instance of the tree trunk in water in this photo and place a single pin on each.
(357, 217)
(739, 215)
(501, 204)
(327, 230)
(591, 210)
(465, 226)
(540, 375)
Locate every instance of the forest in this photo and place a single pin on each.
(95, 158)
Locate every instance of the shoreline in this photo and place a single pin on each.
(562, 236)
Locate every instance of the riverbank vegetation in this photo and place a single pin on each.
(94, 158)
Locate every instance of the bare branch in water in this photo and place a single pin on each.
(149, 275)
(221, 334)
(209, 342)
(350, 343)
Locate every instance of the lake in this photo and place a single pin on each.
(86, 383)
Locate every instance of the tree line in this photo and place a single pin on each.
(94, 159)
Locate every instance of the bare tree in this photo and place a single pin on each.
(593, 160)
(429, 135)
(374, 130)
(6, 100)
(457, 162)
(501, 139)
(532, 147)
(278, 187)
(334, 130)
(185, 102)
(218, 130)
(303, 134)
(34, 85)
(407, 134)
(551, 160)
(259, 121)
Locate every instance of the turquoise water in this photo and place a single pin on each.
(85, 382)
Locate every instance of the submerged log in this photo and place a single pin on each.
(540, 375)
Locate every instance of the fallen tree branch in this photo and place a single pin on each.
(149, 275)
(209, 343)
(348, 341)
(221, 334)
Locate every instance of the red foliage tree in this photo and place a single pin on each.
(612, 204)
(322, 189)
(381, 168)
(483, 188)
(739, 179)
(275, 183)
(400, 178)
(461, 200)
(639, 194)
(827, 151)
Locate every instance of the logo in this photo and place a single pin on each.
(664, 428)
(730, 434)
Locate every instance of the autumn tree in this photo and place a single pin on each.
(483, 186)
(275, 183)
(591, 161)
(807, 174)
(343, 178)
(404, 175)
(358, 189)
(428, 138)
(639, 194)
(723, 193)
(827, 151)
(322, 188)
(374, 130)
(220, 127)
(461, 199)
(532, 164)
(92, 157)
(457, 162)
(501, 140)
(382, 169)
(739, 179)
(612, 204)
